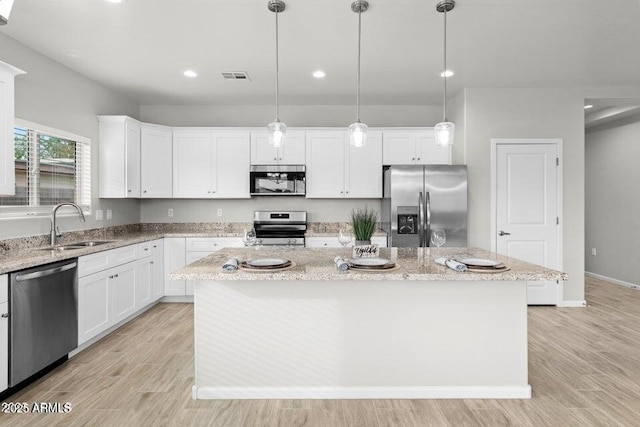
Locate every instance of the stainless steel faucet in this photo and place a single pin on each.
(54, 230)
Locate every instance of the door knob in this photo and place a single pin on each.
(502, 233)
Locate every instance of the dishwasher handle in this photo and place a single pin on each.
(44, 273)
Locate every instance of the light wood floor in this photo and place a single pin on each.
(584, 370)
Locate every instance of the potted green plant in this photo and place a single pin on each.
(364, 222)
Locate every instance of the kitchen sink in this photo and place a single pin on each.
(90, 243)
(60, 248)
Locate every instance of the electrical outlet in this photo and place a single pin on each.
(109, 214)
(170, 213)
(593, 251)
(98, 214)
(220, 212)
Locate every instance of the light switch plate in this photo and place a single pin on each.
(109, 214)
(98, 214)
(220, 212)
(170, 213)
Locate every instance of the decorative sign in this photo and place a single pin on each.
(366, 251)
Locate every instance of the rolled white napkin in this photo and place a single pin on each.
(341, 264)
(454, 265)
(231, 265)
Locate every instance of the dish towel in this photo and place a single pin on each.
(231, 265)
(341, 264)
(454, 265)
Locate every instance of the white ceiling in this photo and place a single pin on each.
(141, 47)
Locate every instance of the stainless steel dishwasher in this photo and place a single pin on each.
(43, 317)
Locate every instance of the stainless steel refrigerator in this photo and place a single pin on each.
(418, 199)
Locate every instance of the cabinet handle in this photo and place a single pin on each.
(155, 246)
(275, 158)
(128, 191)
(111, 277)
(413, 158)
(4, 315)
(325, 244)
(347, 191)
(418, 158)
(341, 192)
(151, 262)
(144, 191)
(280, 158)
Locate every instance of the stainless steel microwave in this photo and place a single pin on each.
(278, 180)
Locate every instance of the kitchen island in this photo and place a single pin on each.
(420, 331)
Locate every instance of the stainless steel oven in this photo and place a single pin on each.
(280, 228)
(277, 180)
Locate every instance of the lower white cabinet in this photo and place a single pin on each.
(157, 271)
(332, 242)
(122, 283)
(144, 293)
(4, 332)
(200, 247)
(174, 259)
(93, 305)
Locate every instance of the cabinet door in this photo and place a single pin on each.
(192, 165)
(232, 157)
(4, 346)
(429, 153)
(193, 257)
(293, 150)
(93, 305)
(7, 145)
(156, 173)
(123, 281)
(325, 164)
(174, 259)
(364, 168)
(132, 158)
(399, 148)
(157, 273)
(143, 289)
(262, 153)
(323, 242)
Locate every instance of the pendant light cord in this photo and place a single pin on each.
(445, 64)
(358, 73)
(277, 71)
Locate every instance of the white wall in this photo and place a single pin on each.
(528, 113)
(55, 96)
(613, 201)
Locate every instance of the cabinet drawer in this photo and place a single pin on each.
(323, 242)
(204, 244)
(144, 249)
(4, 288)
(100, 261)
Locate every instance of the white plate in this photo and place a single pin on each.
(480, 262)
(370, 261)
(266, 262)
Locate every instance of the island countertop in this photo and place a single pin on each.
(318, 265)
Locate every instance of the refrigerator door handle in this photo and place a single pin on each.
(421, 222)
(427, 231)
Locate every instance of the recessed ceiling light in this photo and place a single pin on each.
(319, 74)
(586, 107)
(190, 73)
(446, 73)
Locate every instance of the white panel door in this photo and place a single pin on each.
(93, 305)
(192, 165)
(293, 150)
(157, 274)
(430, 153)
(262, 153)
(399, 148)
(527, 210)
(123, 281)
(325, 164)
(143, 290)
(174, 259)
(232, 159)
(132, 161)
(364, 168)
(156, 163)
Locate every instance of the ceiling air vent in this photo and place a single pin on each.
(235, 75)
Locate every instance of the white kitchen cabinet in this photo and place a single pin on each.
(93, 305)
(156, 162)
(157, 272)
(122, 291)
(99, 261)
(7, 118)
(4, 332)
(174, 259)
(337, 170)
(119, 157)
(291, 153)
(209, 165)
(144, 285)
(200, 247)
(332, 242)
(413, 147)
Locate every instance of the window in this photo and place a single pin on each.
(51, 167)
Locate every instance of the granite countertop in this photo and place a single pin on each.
(318, 265)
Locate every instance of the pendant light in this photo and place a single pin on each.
(358, 130)
(444, 130)
(277, 130)
(5, 10)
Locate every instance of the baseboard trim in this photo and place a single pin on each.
(572, 303)
(612, 280)
(428, 392)
(181, 298)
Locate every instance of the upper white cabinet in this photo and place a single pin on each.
(156, 162)
(119, 157)
(210, 165)
(291, 153)
(7, 105)
(337, 170)
(413, 147)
